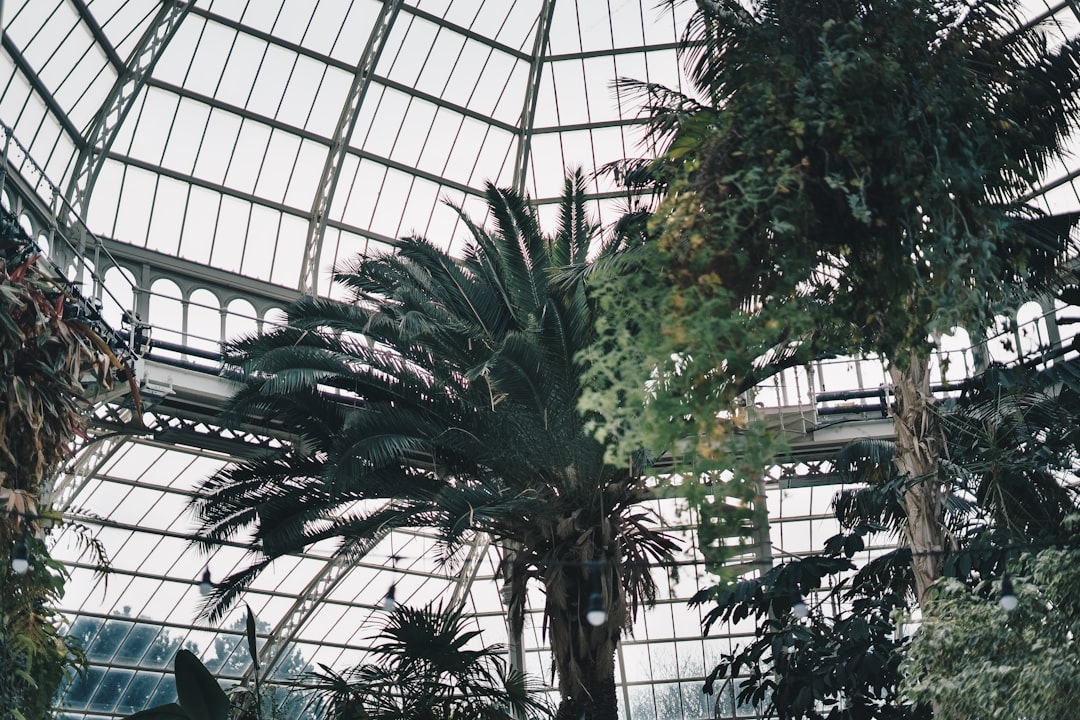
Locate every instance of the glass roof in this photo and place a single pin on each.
(224, 154)
(273, 138)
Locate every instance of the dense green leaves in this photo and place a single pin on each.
(425, 665)
(444, 394)
(827, 665)
(975, 661)
(843, 179)
(1012, 448)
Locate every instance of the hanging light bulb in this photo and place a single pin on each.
(389, 602)
(799, 607)
(1008, 600)
(206, 585)
(20, 558)
(595, 612)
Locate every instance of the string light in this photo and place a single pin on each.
(20, 558)
(20, 555)
(389, 601)
(1008, 600)
(595, 612)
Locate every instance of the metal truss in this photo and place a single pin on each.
(532, 91)
(470, 568)
(320, 209)
(106, 125)
(87, 465)
(281, 638)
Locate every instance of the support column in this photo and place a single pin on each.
(532, 91)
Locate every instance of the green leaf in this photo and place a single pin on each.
(198, 692)
(171, 711)
(22, 392)
(253, 649)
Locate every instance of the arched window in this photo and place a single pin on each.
(953, 362)
(240, 319)
(1001, 341)
(204, 326)
(118, 296)
(167, 317)
(1031, 334)
(271, 318)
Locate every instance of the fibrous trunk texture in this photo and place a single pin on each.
(594, 699)
(919, 449)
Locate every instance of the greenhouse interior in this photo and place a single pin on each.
(245, 438)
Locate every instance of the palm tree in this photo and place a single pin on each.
(444, 395)
(423, 670)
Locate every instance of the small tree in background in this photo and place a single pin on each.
(424, 668)
(847, 179)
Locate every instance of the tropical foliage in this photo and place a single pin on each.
(45, 354)
(1012, 439)
(444, 394)
(424, 666)
(199, 695)
(973, 660)
(843, 180)
(819, 664)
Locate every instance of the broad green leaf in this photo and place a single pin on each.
(197, 691)
(253, 649)
(171, 711)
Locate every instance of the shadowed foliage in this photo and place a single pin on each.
(444, 394)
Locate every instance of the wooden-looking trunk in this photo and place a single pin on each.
(594, 700)
(919, 448)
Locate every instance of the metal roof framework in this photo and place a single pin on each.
(204, 162)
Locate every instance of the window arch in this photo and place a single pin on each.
(167, 315)
(240, 319)
(204, 321)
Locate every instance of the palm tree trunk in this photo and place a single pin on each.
(584, 654)
(594, 699)
(919, 448)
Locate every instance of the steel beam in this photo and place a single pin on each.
(41, 89)
(320, 209)
(532, 91)
(282, 637)
(106, 124)
(470, 568)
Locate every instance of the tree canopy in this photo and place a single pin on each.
(844, 178)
